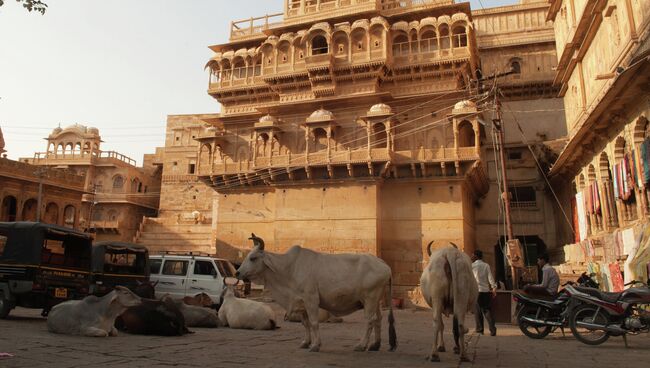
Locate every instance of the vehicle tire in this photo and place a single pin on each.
(530, 330)
(5, 306)
(591, 314)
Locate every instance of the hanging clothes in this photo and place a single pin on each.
(645, 160)
(582, 216)
(596, 199)
(589, 203)
(638, 172)
(576, 222)
(617, 277)
(616, 181)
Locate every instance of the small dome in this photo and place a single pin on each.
(268, 119)
(321, 114)
(465, 104)
(57, 130)
(93, 130)
(79, 127)
(380, 109)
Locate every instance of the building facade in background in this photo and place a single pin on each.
(359, 126)
(117, 193)
(604, 77)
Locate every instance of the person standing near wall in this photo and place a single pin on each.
(487, 289)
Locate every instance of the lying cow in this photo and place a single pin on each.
(243, 313)
(198, 316)
(323, 317)
(153, 317)
(199, 300)
(92, 316)
(449, 287)
(302, 281)
(146, 289)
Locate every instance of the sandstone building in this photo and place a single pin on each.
(117, 194)
(60, 199)
(604, 77)
(359, 126)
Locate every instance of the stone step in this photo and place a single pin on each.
(187, 248)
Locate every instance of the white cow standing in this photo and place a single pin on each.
(91, 316)
(303, 281)
(243, 313)
(449, 287)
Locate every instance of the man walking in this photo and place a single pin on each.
(487, 289)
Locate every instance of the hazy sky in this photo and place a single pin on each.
(119, 65)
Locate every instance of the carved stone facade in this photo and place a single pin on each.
(357, 126)
(60, 199)
(603, 75)
(118, 194)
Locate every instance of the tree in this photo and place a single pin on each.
(31, 5)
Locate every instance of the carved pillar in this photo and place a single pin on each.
(329, 137)
(477, 136)
(254, 146)
(368, 132)
(456, 136)
(388, 136)
(272, 143)
(307, 144)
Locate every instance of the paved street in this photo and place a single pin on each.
(25, 336)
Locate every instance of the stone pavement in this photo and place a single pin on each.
(25, 335)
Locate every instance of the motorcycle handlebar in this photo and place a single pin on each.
(634, 282)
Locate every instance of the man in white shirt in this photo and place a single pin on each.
(550, 278)
(487, 290)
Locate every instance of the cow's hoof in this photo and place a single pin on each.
(456, 350)
(359, 348)
(433, 358)
(441, 349)
(304, 345)
(314, 349)
(374, 347)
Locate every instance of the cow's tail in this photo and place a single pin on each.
(392, 335)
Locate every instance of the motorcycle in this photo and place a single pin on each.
(600, 315)
(538, 316)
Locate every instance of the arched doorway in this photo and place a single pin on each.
(466, 136)
(379, 136)
(9, 209)
(30, 209)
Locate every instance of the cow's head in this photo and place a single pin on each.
(253, 265)
(125, 297)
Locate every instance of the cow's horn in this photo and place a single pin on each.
(429, 248)
(258, 242)
(453, 244)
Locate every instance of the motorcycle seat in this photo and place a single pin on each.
(604, 295)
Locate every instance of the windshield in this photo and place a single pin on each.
(225, 268)
(70, 251)
(124, 262)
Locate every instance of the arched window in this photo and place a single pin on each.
(459, 36)
(9, 209)
(607, 197)
(401, 45)
(320, 139)
(428, 41)
(379, 136)
(466, 136)
(29, 210)
(444, 37)
(51, 213)
(69, 216)
(515, 66)
(239, 69)
(319, 45)
(118, 183)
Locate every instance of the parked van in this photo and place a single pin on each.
(188, 275)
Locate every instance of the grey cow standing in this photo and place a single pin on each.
(91, 316)
(303, 280)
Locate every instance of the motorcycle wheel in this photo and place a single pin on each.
(531, 330)
(590, 314)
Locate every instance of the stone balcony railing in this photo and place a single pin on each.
(322, 158)
(112, 225)
(17, 169)
(81, 157)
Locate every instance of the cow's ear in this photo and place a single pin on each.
(268, 261)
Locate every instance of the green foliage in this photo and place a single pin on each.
(31, 5)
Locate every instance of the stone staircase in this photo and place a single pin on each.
(160, 235)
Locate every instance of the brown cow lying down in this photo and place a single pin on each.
(199, 300)
(323, 317)
(153, 317)
(198, 316)
(91, 316)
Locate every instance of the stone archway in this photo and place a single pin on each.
(29, 210)
(51, 215)
(9, 209)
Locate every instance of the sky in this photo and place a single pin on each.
(121, 66)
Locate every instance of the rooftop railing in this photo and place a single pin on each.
(254, 26)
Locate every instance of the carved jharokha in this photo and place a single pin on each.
(348, 91)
